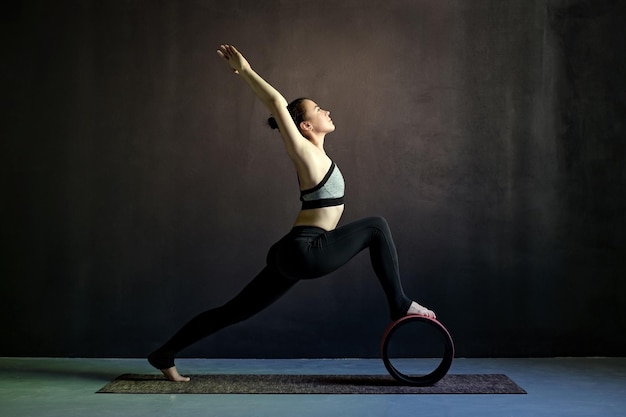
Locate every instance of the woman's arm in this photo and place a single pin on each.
(277, 105)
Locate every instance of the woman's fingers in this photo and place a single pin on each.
(223, 52)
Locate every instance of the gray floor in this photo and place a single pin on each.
(556, 387)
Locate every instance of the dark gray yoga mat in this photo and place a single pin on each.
(308, 384)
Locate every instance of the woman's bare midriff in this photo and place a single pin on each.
(327, 217)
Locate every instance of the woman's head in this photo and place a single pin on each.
(307, 115)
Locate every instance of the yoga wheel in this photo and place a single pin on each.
(417, 351)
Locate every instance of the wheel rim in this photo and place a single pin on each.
(418, 380)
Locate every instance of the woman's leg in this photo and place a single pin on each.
(267, 287)
(329, 251)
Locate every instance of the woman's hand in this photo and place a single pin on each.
(236, 61)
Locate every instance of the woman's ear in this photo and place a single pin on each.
(305, 125)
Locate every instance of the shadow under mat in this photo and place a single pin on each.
(308, 384)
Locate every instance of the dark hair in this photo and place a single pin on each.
(296, 110)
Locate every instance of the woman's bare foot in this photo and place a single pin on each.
(420, 311)
(164, 362)
(173, 375)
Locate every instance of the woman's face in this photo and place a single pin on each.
(316, 119)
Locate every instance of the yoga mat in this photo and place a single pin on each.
(308, 384)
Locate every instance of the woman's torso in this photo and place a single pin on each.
(310, 173)
(327, 217)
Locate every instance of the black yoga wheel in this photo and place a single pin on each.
(414, 333)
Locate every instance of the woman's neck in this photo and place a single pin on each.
(317, 141)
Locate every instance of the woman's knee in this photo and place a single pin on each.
(379, 223)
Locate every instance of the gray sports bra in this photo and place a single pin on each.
(329, 192)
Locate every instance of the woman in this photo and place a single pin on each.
(315, 246)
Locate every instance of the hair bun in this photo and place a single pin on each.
(272, 122)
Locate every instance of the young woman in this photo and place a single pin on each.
(315, 246)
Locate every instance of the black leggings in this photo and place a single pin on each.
(305, 252)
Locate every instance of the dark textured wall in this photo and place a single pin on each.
(140, 186)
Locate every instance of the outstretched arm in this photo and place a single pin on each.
(273, 100)
(268, 94)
